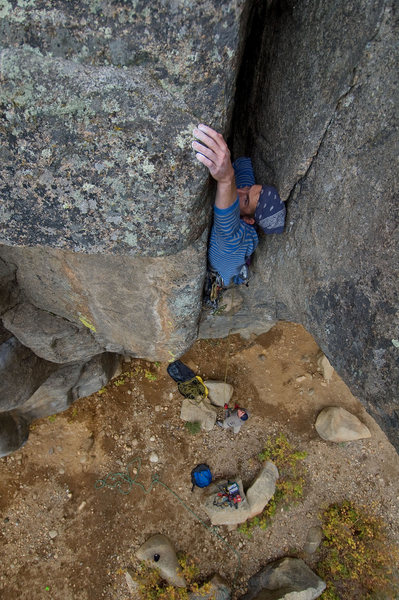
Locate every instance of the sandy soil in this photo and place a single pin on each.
(62, 538)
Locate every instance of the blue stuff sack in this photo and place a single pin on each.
(201, 476)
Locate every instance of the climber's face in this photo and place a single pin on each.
(249, 198)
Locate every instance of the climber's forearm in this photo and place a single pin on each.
(226, 194)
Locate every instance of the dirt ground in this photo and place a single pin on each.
(63, 538)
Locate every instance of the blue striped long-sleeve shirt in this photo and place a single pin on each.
(232, 240)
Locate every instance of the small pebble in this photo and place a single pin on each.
(82, 505)
(134, 443)
(262, 357)
(53, 534)
(61, 471)
(158, 408)
(154, 457)
(152, 438)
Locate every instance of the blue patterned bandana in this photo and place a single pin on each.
(270, 211)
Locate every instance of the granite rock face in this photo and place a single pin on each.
(98, 105)
(105, 214)
(321, 124)
(7, 288)
(104, 211)
(68, 383)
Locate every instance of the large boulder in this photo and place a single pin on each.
(158, 552)
(21, 374)
(221, 512)
(103, 201)
(263, 488)
(44, 389)
(218, 590)
(145, 307)
(69, 383)
(14, 431)
(285, 579)
(50, 337)
(99, 102)
(198, 412)
(335, 424)
(219, 392)
(317, 109)
(253, 501)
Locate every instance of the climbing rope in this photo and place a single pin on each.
(228, 338)
(124, 483)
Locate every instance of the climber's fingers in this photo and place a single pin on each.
(212, 151)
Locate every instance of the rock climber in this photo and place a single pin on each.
(240, 204)
(233, 419)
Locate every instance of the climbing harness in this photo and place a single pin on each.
(214, 286)
(124, 483)
(213, 290)
(228, 343)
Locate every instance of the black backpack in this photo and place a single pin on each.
(201, 476)
(179, 371)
